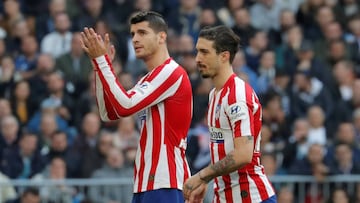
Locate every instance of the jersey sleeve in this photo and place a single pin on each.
(106, 110)
(114, 101)
(240, 118)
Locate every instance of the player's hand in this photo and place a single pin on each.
(194, 189)
(198, 195)
(93, 44)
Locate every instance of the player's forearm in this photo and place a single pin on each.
(225, 166)
(236, 159)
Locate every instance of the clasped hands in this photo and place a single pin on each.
(194, 189)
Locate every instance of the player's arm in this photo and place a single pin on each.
(163, 84)
(236, 159)
(124, 103)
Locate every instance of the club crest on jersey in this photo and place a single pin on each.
(216, 136)
(217, 111)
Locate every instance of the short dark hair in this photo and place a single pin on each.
(224, 39)
(156, 20)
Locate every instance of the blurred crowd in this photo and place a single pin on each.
(302, 57)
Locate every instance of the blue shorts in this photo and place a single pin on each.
(272, 199)
(165, 195)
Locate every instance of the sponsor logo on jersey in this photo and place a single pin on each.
(216, 135)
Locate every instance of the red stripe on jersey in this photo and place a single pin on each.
(244, 187)
(172, 166)
(156, 142)
(142, 141)
(260, 186)
(109, 108)
(186, 172)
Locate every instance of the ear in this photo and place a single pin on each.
(162, 37)
(225, 56)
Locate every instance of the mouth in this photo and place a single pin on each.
(138, 48)
(201, 67)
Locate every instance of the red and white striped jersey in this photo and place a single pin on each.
(163, 99)
(235, 111)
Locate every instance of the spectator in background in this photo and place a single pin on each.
(285, 195)
(59, 147)
(38, 82)
(22, 104)
(343, 161)
(274, 116)
(208, 18)
(286, 53)
(20, 30)
(58, 42)
(242, 25)
(270, 11)
(24, 161)
(296, 146)
(317, 131)
(339, 195)
(287, 20)
(354, 35)
(345, 134)
(126, 79)
(306, 14)
(315, 165)
(242, 70)
(344, 75)
(308, 91)
(86, 143)
(7, 192)
(47, 120)
(8, 76)
(9, 131)
(338, 51)
(86, 102)
(94, 10)
(75, 66)
(30, 195)
(45, 22)
(226, 12)
(59, 192)
(186, 18)
(266, 71)
(198, 152)
(332, 31)
(12, 13)
(5, 108)
(58, 94)
(126, 134)
(258, 42)
(114, 167)
(25, 62)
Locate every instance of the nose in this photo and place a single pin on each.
(197, 58)
(134, 38)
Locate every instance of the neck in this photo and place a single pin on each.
(220, 79)
(156, 59)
